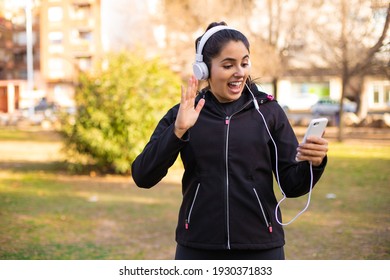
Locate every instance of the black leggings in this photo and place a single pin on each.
(186, 253)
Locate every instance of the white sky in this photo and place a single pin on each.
(123, 19)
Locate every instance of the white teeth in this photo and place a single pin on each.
(236, 84)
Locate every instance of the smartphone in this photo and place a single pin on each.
(316, 128)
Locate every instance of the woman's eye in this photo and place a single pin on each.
(227, 66)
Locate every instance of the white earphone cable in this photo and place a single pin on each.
(277, 169)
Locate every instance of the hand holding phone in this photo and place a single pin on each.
(315, 128)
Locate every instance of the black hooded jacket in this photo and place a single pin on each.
(229, 160)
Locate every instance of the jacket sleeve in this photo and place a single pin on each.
(294, 176)
(159, 154)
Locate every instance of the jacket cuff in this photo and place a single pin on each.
(186, 136)
(322, 165)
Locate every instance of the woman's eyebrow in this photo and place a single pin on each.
(233, 59)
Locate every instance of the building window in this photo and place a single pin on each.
(56, 67)
(387, 94)
(56, 37)
(376, 95)
(85, 35)
(84, 63)
(80, 36)
(55, 42)
(21, 74)
(55, 14)
(319, 89)
(81, 11)
(20, 57)
(381, 94)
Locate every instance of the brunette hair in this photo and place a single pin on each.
(217, 41)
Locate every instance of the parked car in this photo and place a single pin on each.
(332, 107)
(298, 103)
(42, 111)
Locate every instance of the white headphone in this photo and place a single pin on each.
(199, 68)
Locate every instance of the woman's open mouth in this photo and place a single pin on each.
(235, 86)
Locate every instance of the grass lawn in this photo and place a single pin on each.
(49, 213)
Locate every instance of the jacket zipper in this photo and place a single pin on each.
(227, 123)
(269, 225)
(188, 220)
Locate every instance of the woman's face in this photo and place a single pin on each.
(229, 71)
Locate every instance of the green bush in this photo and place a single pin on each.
(118, 108)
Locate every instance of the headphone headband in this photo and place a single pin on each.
(205, 37)
(199, 67)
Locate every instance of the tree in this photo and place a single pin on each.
(119, 104)
(271, 26)
(276, 29)
(185, 20)
(350, 37)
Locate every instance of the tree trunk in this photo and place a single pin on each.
(340, 117)
(275, 87)
(345, 72)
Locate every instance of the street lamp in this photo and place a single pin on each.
(29, 46)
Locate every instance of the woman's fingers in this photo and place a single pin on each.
(192, 88)
(200, 105)
(188, 94)
(183, 94)
(314, 150)
(188, 113)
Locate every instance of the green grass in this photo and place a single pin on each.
(356, 223)
(47, 213)
(51, 216)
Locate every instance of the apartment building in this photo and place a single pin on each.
(65, 40)
(6, 54)
(13, 55)
(70, 43)
(6, 61)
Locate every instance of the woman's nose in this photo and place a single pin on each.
(239, 72)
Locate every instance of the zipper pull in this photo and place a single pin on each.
(227, 120)
(186, 224)
(270, 227)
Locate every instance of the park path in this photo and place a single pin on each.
(30, 151)
(51, 150)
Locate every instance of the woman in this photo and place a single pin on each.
(232, 138)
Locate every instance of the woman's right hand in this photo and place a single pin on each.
(188, 114)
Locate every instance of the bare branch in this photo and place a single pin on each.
(374, 49)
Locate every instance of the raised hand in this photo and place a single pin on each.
(188, 114)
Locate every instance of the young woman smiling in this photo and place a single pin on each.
(232, 139)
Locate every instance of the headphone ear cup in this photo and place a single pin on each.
(200, 70)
